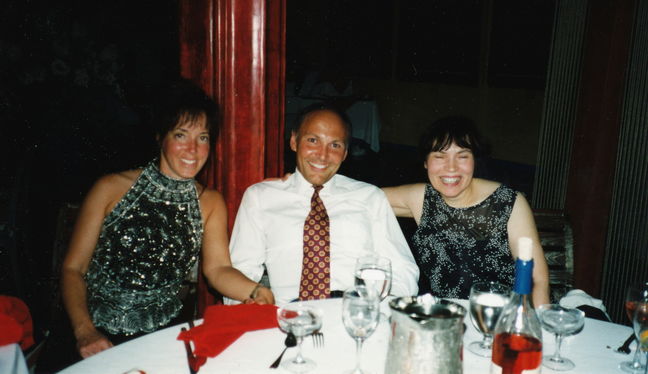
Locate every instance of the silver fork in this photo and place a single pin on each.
(318, 339)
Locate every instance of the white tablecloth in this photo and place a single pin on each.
(12, 360)
(160, 352)
(363, 114)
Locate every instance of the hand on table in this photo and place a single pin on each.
(263, 296)
(92, 343)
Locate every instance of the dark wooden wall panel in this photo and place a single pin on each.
(596, 135)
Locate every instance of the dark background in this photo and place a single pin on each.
(76, 78)
(437, 41)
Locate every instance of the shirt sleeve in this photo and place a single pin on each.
(247, 244)
(390, 242)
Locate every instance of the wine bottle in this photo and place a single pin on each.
(517, 347)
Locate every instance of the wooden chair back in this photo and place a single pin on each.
(558, 244)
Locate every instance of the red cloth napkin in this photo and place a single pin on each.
(15, 322)
(223, 324)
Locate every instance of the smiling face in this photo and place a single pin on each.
(320, 146)
(184, 149)
(450, 172)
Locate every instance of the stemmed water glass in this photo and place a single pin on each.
(562, 322)
(640, 325)
(487, 299)
(300, 320)
(360, 315)
(375, 273)
(637, 293)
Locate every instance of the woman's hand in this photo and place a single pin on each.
(262, 295)
(91, 343)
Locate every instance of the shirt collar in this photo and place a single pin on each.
(305, 187)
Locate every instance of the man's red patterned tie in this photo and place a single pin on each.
(316, 266)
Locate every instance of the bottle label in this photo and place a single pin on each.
(496, 369)
(523, 277)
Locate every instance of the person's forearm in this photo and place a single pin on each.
(540, 294)
(73, 288)
(230, 282)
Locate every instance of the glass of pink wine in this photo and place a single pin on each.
(636, 294)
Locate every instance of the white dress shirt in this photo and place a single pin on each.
(269, 231)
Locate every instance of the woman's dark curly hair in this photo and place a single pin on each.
(183, 101)
(447, 130)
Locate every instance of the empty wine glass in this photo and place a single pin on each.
(300, 320)
(640, 325)
(637, 293)
(562, 322)
(487, 299)
(360, 311)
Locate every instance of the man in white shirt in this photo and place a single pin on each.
(269, 226)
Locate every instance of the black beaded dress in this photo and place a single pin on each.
(456, 247)
(148, 244)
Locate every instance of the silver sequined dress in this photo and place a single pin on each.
(148, 244)
(456, 247)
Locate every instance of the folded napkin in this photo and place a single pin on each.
(15, 322)
(592, 306)
(575, 298)
(223, 324)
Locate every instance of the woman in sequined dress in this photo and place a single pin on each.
(139, 233)
(468, 228)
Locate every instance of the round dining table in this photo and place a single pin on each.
(12, 360)
(592, 350)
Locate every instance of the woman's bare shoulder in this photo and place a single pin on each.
(208, 194)
(211, 201)
(110, 188)
(119, 181)
(486, 187)
(209, 197)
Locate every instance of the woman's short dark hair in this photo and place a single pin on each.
(182, 100)
(447, 130)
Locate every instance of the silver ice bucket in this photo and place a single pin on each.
(426, 336)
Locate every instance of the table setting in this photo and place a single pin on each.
(363, 333)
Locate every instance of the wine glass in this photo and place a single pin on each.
(562, 322)
(374, 272)
(487, 299)
(360, 315)
(300, 320)
(640, 324)
(636, 293)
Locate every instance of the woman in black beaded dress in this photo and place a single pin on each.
(139, 233)
(468, 228)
